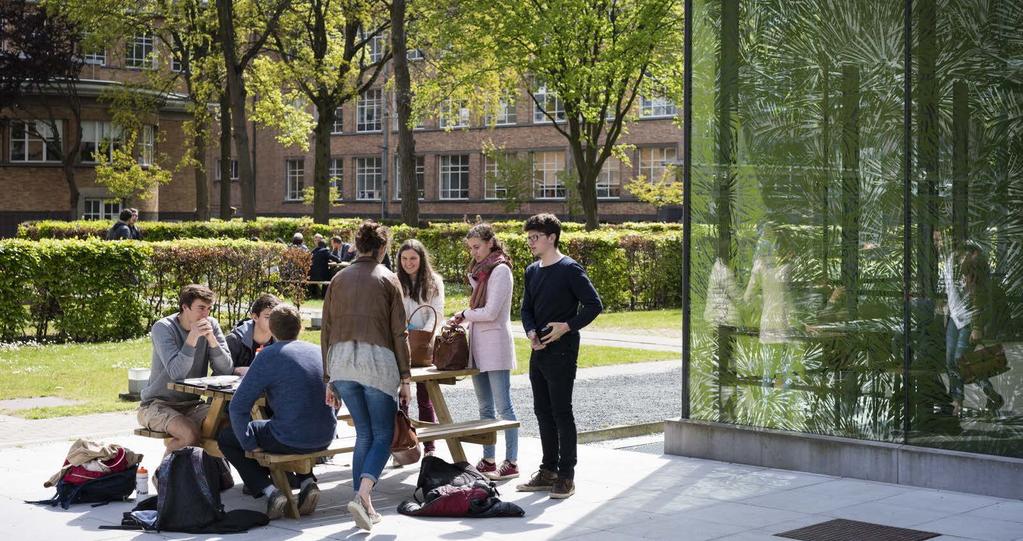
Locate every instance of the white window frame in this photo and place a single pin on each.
(43, 137)
(462, 120)
(94, 58)
(234, 171)
(294, 179)
(147, 145)
(336, 172)
(144, 44)
(420, 177)
(368, 169)
(107, 209)
(97, 133)
(338, 127)
(491, 190)
(374, 48)
(506, 114)
(609, 181)
(657, 107)
(547, 164)
(652, 161)
(449, 173)
(542, 95)
(369, 117)
(414, 54)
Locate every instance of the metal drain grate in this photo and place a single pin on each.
(852, 530)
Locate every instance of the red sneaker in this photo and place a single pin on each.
(486, 467)
(506, 471)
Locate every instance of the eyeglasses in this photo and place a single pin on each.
(535, 237)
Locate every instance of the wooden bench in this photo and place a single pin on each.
(280, 465)
(481, 432)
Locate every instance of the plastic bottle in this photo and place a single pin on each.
(141, 482)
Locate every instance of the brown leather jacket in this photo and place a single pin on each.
(364, 303)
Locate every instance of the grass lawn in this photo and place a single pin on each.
(95, 373)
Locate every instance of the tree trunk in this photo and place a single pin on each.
(202, 187)
(225, 158)
(236, 97)
(587, 186)
(321, 161)
(403, 99)
(960, 161)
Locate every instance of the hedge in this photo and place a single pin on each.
(91, 290)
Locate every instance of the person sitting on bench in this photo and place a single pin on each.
(290, 374)
(185, 345)
(253, 334)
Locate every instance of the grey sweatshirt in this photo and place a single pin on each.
(173, 360)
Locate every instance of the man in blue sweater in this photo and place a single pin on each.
(290, 374)
(558, 299)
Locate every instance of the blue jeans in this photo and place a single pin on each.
(256, 477)
(494, 388)
(373, 413)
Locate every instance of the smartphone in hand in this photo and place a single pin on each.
(544, 331)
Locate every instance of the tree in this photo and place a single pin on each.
(584, 64)
(244, 28)
(324, 53)
(403, 101)
(39, 61)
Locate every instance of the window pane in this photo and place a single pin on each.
(369, 114)
(294, 182)
(546, 167)
(454, 177)
(368, 178)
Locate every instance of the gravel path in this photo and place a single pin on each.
(603, 396)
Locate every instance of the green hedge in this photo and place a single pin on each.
(94, 291)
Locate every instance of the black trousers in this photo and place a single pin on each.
(552, 377)
(256, 477)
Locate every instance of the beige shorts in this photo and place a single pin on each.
(158, 414)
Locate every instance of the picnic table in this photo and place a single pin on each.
(482, 432)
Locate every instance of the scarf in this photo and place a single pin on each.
(480, 273)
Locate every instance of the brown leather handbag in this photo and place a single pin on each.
(451, 351)
(420, 341)
(983, 363)
(404, 433)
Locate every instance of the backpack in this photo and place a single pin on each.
(478, 500)
(116, 486)
(435, 472)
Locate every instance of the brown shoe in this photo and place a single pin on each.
(562, 489)
(540, 481)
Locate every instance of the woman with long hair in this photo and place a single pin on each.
(366, 359)
(491, 348)
(421, 286)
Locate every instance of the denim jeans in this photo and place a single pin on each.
(373, 413)
(256, 477)
(493, 391)
(552, 377)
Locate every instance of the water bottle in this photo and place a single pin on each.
(141, 482)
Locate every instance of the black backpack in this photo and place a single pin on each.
(435, 472)
(109, 488)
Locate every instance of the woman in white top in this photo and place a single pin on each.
(491, 349)
(420, 286)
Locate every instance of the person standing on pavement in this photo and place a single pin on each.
(491, 348)
(364, 345)
(557, 301)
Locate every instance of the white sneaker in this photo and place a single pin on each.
(362, 518)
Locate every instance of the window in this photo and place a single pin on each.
(491, 189)
(454, 177)
(294, 180)
(609, 181)
(415, 54)
(546, 167)
(656, 108)
(337, 175)
(505, 116)
(420, 177)
(98, 137)
(140, 52)
(101, 209)
(373, 51)
(96, 58)
(147, 145)
(453, 115)
(176, 64)
(550, 103)
(35, 141)
(368, 179)
(652, 162)
(234, 171)
(339, 121)
(368, 113)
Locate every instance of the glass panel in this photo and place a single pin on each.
(797, 241)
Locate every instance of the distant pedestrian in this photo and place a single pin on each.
(558, 299)
(121, 230)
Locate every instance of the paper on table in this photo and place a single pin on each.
(213, 381)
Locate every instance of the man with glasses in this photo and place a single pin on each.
(185, 345)
(558, 299)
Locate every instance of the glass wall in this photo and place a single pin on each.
(813, 306)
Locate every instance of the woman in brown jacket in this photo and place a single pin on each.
(366, 359)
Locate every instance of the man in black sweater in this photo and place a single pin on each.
(558, 299)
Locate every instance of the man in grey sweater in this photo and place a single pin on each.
(185, 345)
